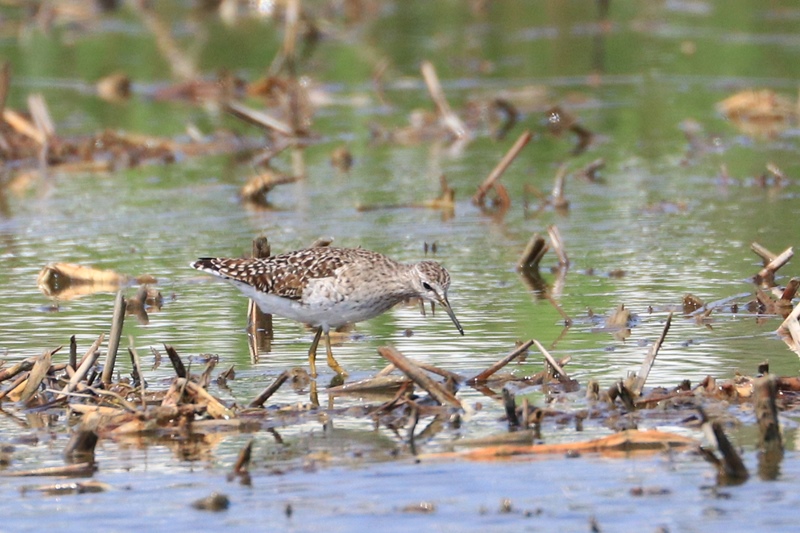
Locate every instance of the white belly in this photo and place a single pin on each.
(328, 312)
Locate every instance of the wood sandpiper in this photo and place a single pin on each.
(328, 287)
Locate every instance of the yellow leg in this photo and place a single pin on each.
(331, 361)
(312, 353)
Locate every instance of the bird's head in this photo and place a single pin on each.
(431, 283)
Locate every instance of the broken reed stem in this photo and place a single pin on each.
(433, 428)
(558, 245)
(37, 374)
(562, 376)
(790, 290)
(92, 349)
(269, 391)
(138, 377)
(418, 376)
(175, 359)
(292, 19)
(412, 447)
(771, 267)
(181, 65)
(486, 374)
(792, 317)
(76, 470)
(789, 330)
(388, 369)
(621, 391)
(259, 320)
(557, 196)
(87, 362)
(762, 252)
(41, 115)
(114, 337)
(732, 467)
(648, 362)
(14, 384)
(81, 445)
(243, 461)
(258, 118)
(198, 394)
(589, 172)
(23, 126)
(766, 392)
(533, 253)
(501, 167)
(450, 119)
(542, 376)
(205, 377)
(439, 371)
(510, 407)
(22, 366)
(73, 352)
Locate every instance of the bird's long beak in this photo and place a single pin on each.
(444, 303)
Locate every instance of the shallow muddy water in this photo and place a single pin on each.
(663, 215)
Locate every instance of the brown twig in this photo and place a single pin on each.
(81, 445)
(648, 362)
(259, 324)
(269, 391)
(557, 370)
(114, 337)
(182, 66)
(559, 187)
(510, 407)
(763, 253)
(767, 273)
(292, 24)
(789, 330)
(23, 126)
(589, 172)
(23, 366)
(242, 464)
(256, 189)
(73, 352)
(258, 118)
(450, 119)
(41, 115)
(175, 359)
(533, 253)
(501, 167)
(558, 245)
(88, 360)
(418, 376)
(790, 290)
(388, 369)
(76, 470)
(544, 375)
(14, 384)
(766, 392)
(486, 374)
(731, 469)
(37, 374)
(138, 377)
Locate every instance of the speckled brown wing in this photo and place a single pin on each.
(284, 275)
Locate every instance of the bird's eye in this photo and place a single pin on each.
(426, 286)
